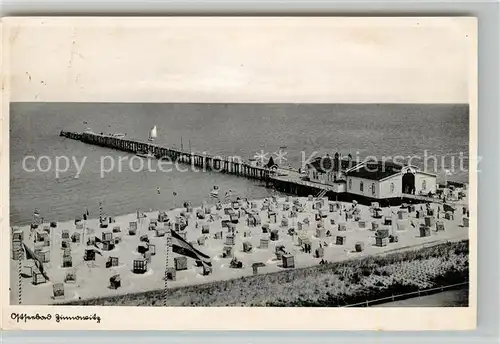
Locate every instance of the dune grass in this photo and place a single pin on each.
(329, 285)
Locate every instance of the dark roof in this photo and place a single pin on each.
(328, 164)
(376, 171)
(270, 163)
(387, 164)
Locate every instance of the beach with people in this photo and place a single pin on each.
(242, 238)
(92, 214)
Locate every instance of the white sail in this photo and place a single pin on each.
(153, 134)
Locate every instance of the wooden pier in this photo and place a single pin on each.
(291, 184)
(204, 161)
(426, 199)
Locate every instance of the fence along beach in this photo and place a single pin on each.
(241, 237)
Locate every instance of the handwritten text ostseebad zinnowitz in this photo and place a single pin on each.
(23, 317)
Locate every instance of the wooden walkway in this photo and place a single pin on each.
(291, 183)
(434, 200)
(207, 162)
(296, 180)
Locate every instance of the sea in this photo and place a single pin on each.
(436, 133)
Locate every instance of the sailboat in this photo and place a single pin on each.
(152, 134)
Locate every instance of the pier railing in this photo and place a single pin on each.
(313, 185)
(291, 183)
(432, 199)
(205, 161)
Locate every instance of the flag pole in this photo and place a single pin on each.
(52, 243)
(19, 272)
(84, 229)
(36, 216)
(167, 261)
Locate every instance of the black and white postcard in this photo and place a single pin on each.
(239, 173)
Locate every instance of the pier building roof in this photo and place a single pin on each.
(375, 170)
(271, 163)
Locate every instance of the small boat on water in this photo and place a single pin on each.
(153, 134)
(149, 155)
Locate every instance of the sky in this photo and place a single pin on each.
(367, 60)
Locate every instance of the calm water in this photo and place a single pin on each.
(227, 129)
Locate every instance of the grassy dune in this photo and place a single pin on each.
(329, 285)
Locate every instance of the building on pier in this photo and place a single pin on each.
(329, 170)
(272, 166)
(338, 178)
(343, 179)
(386, 180)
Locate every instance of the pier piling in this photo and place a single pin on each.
(203, 161)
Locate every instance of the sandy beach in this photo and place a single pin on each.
(92, 278)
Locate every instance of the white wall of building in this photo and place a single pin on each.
(387, 188)
(314, 176)
(323, 178)
(425, 183)
(339, 187)
(354, 187)
(388, 191)
(391, 187)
